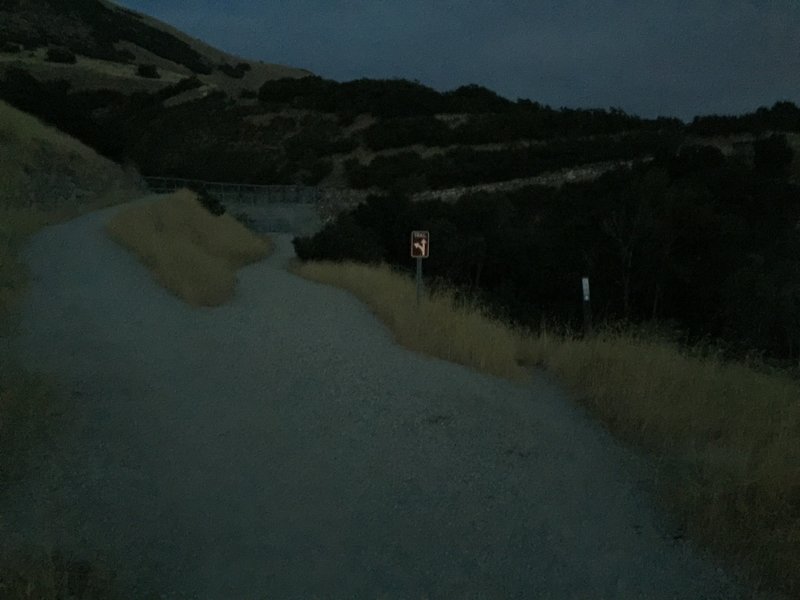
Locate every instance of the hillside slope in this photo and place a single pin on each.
(42, 167)
(110, 42)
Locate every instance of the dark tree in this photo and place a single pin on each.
(61, 55)
(773, 156)
(148, 71)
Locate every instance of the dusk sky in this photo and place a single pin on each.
(679, 58)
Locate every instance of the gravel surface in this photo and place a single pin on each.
(284, 447)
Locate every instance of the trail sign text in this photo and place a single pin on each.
(419, 244)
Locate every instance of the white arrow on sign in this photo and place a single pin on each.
(419, 244)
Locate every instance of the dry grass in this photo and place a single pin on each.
(457, 332)
(726, 438)
(191, 252)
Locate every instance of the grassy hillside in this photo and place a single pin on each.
(99, 45)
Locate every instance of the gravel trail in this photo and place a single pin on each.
(284, 447)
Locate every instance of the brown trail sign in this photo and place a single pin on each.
(420, 247)
(419, 244)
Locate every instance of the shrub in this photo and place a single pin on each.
(773, 155)
(249, 94)
(10, 47)
(245, 220)
(124, 56)
(230, 71)
(61, 55)
(211, 204)
(344, 239)
(185, 84)
(148, 71)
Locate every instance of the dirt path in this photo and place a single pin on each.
(283, 447)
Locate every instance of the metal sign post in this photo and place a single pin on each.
(587, 309)
(419, 249)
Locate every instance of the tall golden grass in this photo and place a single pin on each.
(191, 252)
(725, 438)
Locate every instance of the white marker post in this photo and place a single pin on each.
(419, 250)
(587, 309)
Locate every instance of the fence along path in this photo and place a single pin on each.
(246, 193)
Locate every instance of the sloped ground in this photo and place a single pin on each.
(283, 447)
(41, 167)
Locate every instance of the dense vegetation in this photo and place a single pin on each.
(61, 55)
(236, 72)
(703, 243)
(782, 116)
(212, 136)
(465, 166)
(205, 138)
(535, 123)
(148, 71)
(404, 105)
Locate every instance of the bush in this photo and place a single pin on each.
(10, 47)
(236, 72)
(148, 71)
(772, 156)
(61, 55)
(211, 204)
(245, 220)
(248, 94)
(185, 84)
(344, 239)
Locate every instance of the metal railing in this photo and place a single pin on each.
(247, 193)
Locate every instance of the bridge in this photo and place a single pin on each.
(269, 208)
(240, 193)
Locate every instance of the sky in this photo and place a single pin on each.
(651, 58)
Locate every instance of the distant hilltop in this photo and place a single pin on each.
(95, 44)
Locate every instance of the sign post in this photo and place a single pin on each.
(419, 250)
(587, 309)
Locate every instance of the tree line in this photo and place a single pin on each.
(463, 166)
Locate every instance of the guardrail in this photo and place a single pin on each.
(247, 193)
